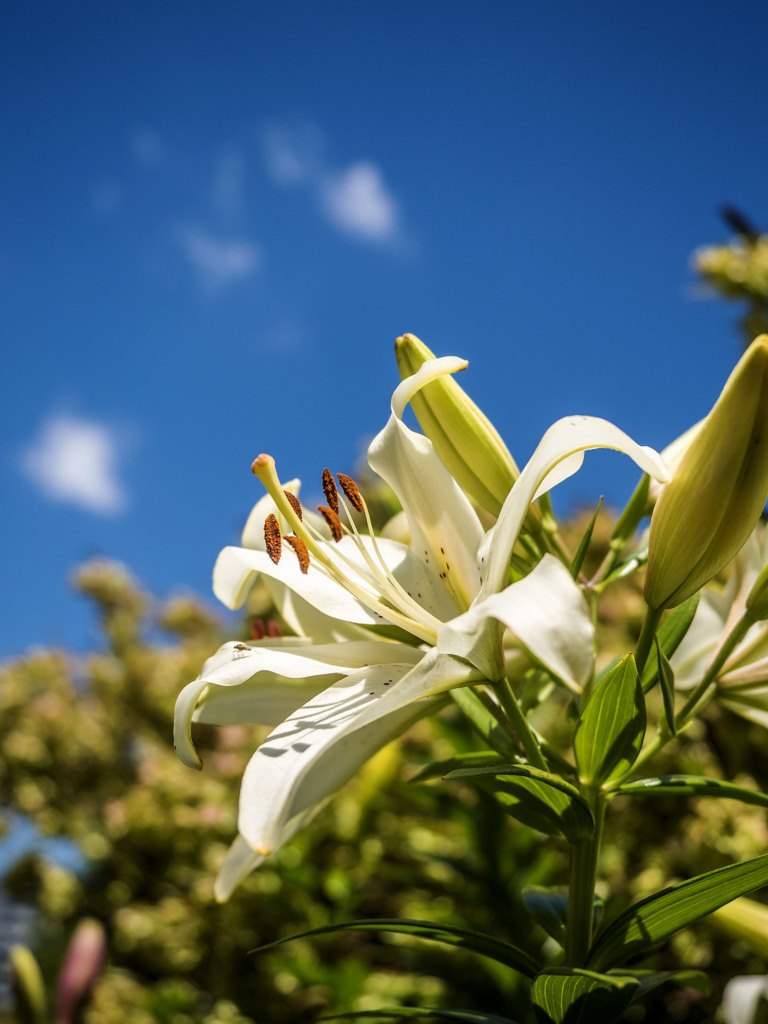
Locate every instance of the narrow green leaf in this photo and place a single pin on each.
(474, 759)
(611, 727)
(658, 916)
(692, 785)
(536, 798)
(625, 568)
(465, 1016)
(484, 945)
(649, 980)
(667, 681)
(549, 908)
(484, 723)
(629, 520)
(562, 995)
(581, 550)
(670, 635)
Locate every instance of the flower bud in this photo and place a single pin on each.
(463, 437)
(711, 505)
(30, 1003)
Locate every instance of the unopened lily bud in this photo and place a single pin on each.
(711, 505)
(82, 966)
(29, 998)
(463, 437)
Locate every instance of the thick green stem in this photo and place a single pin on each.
(581, 892)
(514, 712)
(647, 633)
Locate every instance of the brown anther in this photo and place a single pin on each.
(334, 523)
(258, 630)
(273, 629)
(272, 537)
(300, 548)
(329, 490)
(349, 487)
(294, 503)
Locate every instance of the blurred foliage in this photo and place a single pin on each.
(87, 755)
(738, 270)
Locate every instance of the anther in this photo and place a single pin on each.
(272, 537)
(300, 548)
(273, 629)
(329, 490)
(349, 487)
(294, 503)
(258, 629)
(333, 521)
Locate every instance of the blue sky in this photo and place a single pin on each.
(215, 219)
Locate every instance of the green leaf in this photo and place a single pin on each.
(667, 680)
(536, 798)
(649, 980)
(625, 568)
(670, 635)
(549, 908)
(691, 785)
(466, 1016)
(581, 551)
(657, 917)
(562, 995)
(611, 727)
(485, 945)
(483, 721)
(474, 759)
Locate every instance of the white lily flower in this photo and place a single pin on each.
(432, 611)
(742, 680)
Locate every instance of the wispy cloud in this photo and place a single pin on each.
(106, 198)
(75, 461)
(354, 199)
(358, 202)
(218, 262)
(148, 146)
(293, 155)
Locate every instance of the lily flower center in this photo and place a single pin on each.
(370, 579)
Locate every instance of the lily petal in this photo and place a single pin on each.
(317, 749)
(264, 684)
(546, 612)
(565, 438)
(241, 859)
(445, 530)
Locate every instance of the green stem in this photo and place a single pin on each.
(647, 633)
(581, 892)
(514, 712)
(701, 695)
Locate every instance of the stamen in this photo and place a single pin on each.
(272, 537)
(329, 490)
(300, 548)
(349, 487)
(295, 504)
(273, 629)
(258, 629)
(334, 523)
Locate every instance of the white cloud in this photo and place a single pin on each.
(75, 461)
(148, 146)
(293, 155)
(217, 262)
(358, 202)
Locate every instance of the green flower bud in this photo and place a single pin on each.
(30, 1003)
(464, 438)
(711, 505)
